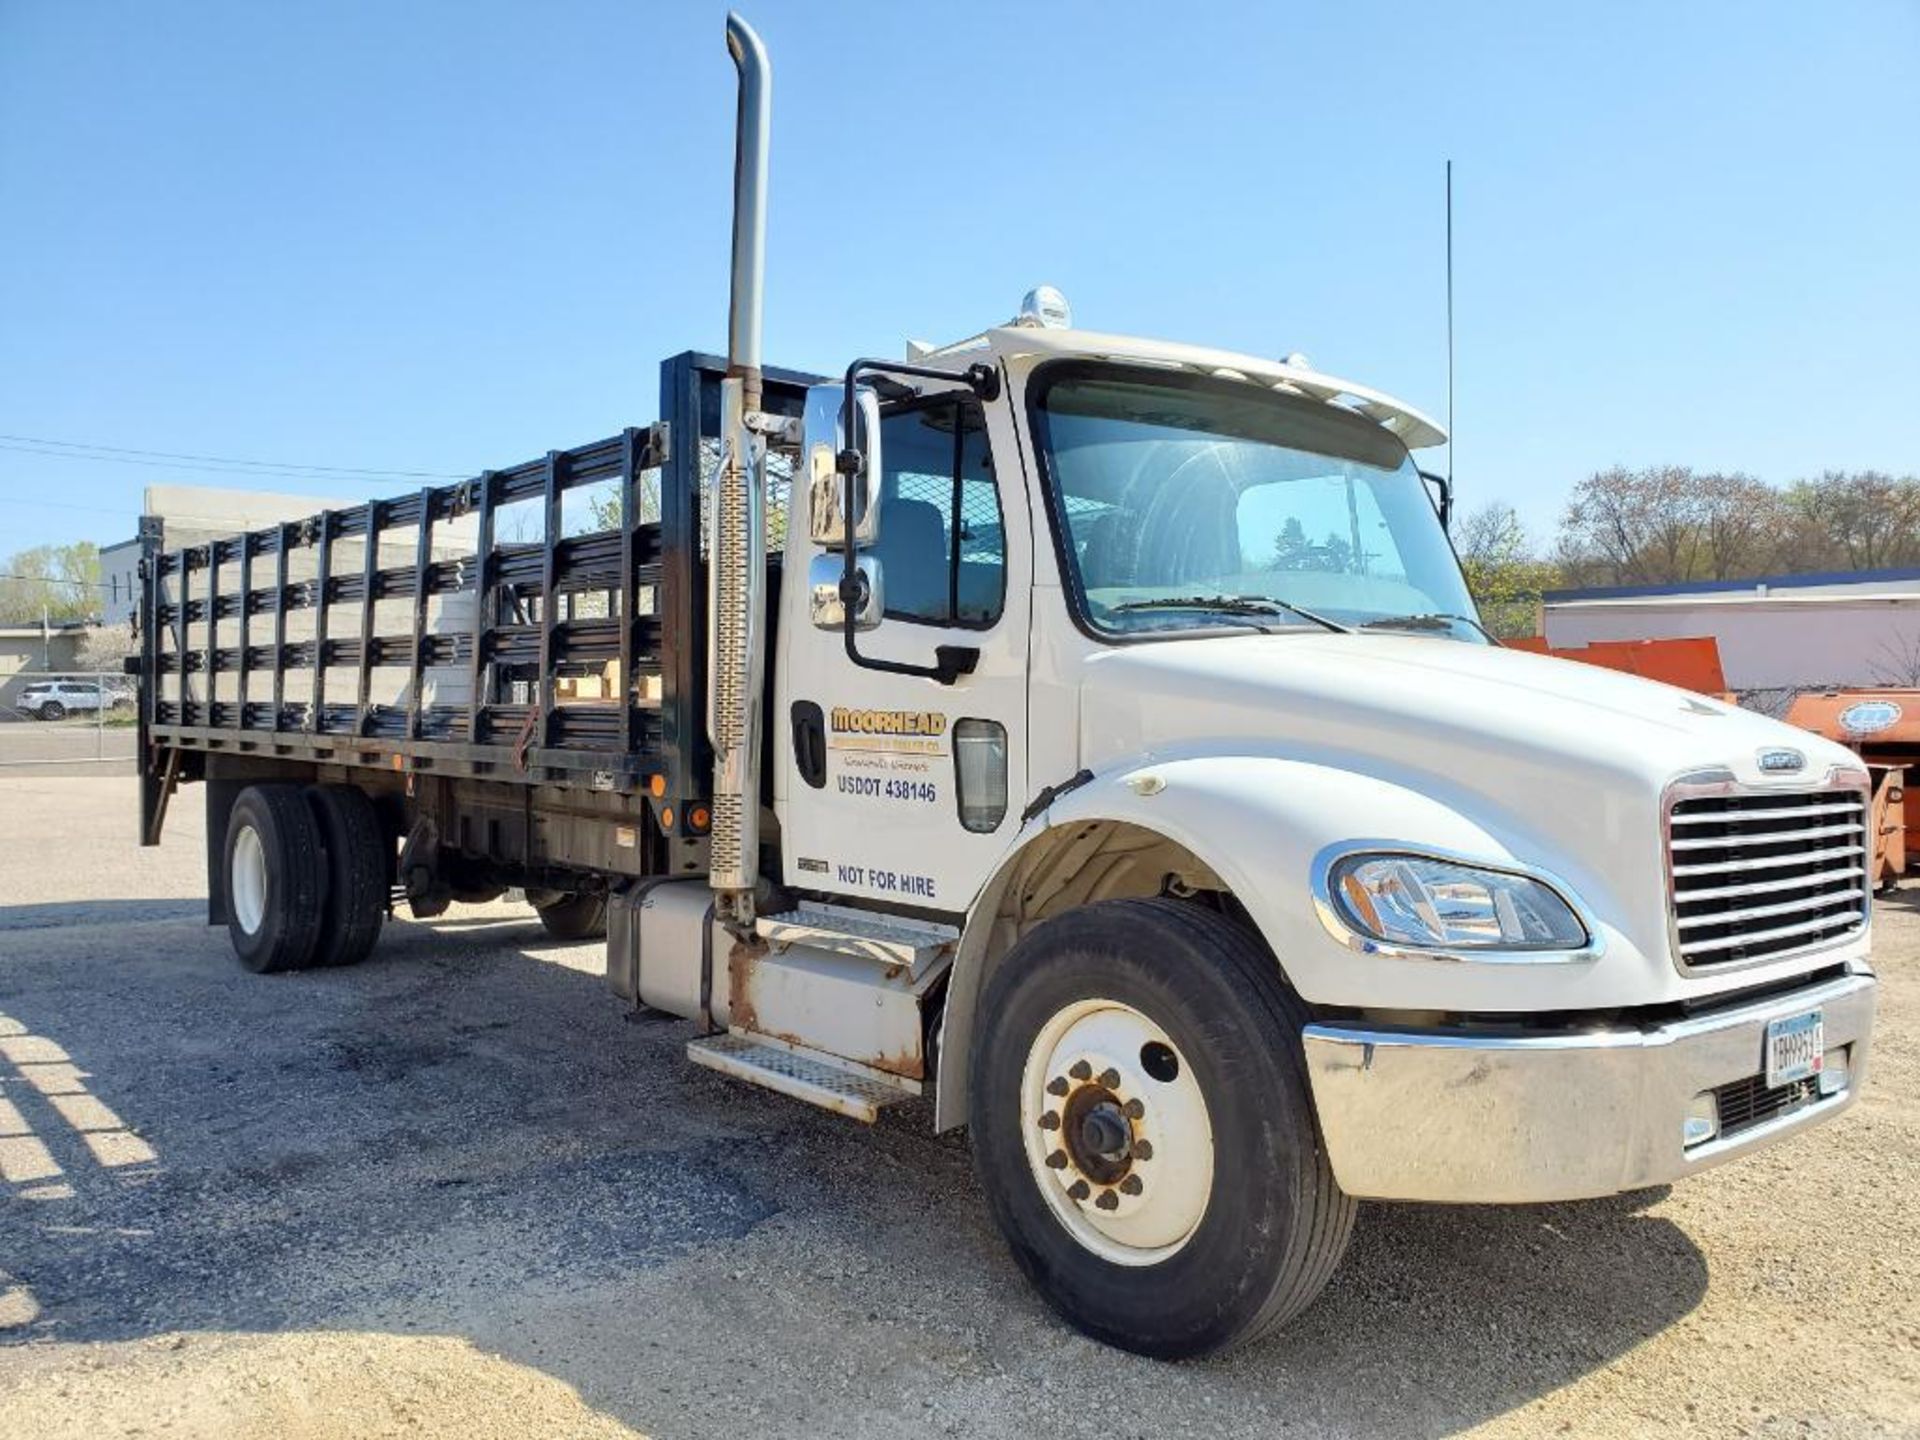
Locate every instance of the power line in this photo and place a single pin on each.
(56, 580)
(120, 510)
(126, 455)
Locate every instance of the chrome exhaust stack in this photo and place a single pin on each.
(751, 126)
(736, 572)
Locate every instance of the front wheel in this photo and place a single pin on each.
(1143, 1129)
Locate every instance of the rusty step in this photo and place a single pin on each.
(805, 1075)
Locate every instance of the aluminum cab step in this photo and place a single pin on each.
(816, 1079)
(886, 939)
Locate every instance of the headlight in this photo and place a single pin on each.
(1431, 904)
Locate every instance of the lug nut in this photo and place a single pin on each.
(1079, 1190)
(1081, 1070)
(1058, 1085)
(1110, 1078)
(1057, 1160)
(1050, 1120)
(1131, 1185)
(1108, 1200)
(1143, 1150)
(1133, 1109)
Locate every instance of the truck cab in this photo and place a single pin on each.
(1122, 665)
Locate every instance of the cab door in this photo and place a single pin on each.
(899, 788)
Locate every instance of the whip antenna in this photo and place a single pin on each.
(1449, 324)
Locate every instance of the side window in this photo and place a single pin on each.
(942, 549)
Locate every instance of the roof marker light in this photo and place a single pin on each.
(1045, 308)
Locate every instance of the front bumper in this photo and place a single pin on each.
(1458, 1117)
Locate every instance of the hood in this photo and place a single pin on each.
(1531, 734)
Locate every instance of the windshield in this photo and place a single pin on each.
(1194, 503)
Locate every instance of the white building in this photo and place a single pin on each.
(194, 515)
(1779, 632)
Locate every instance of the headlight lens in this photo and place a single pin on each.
(1440, 905)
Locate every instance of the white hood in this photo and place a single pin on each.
(1422, 702)
(1554, 757)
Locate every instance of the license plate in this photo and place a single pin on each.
(1795, 1044)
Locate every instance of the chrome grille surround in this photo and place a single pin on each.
(1769, 872)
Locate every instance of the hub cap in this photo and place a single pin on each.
(1116, 1132)
(247, 888)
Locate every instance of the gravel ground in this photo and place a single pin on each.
(453, 1192)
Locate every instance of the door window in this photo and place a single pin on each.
(942, 546)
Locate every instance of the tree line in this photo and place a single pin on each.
(54, 582)
(1669, 524)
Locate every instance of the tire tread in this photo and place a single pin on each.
(357, 873)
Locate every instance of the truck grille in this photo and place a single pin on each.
(1761, 874)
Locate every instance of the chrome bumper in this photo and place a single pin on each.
(1431, 1115)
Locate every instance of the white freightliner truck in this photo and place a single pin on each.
(1101, 742)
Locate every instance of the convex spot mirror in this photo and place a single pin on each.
(824, 575)
(826, 486)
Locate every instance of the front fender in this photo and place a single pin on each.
(1258, 822)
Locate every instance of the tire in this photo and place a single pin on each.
(1246, 1224)
(53, 710)
(359, 873)
(276, 878)
(580, 916)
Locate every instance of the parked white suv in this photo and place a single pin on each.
(56, 699)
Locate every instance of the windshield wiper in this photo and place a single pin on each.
(1236, 605)
(1433, 620)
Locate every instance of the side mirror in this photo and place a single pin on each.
(826, 574)
(826, 486)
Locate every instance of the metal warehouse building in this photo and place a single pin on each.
(1778, 632)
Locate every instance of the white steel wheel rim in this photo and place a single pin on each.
(249, 880)
(1138, 1202)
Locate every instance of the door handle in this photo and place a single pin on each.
(810, 743)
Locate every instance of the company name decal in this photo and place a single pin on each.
(846, 721)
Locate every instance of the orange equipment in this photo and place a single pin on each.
(1882, 727)
(1692, 662)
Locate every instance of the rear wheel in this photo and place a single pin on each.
(276, 876)
(581, 916)
(1144, 1132)
(53, 710)
(359, 873)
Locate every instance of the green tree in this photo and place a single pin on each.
(1861, 521)
(1504, 575)
(59, 582)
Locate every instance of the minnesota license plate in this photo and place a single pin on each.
(1795, 1044)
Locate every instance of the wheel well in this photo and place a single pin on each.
(1065, 867)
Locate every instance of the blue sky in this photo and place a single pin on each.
(443, 236)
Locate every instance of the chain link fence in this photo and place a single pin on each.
(67, 718)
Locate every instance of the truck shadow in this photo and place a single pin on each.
(465, 1137)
